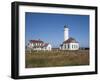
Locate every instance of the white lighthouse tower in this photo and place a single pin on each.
(66, 33)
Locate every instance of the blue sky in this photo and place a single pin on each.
(49, 28)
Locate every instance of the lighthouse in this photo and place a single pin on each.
(69, 42)
(66, 33)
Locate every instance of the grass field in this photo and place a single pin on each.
(56, 58)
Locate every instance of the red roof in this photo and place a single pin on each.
(70, 40)
(39, 41)
(46, 44)
(36, 41)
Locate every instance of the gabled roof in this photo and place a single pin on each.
(36, 41)
(46, 44)
(39, 41)
(70, 40)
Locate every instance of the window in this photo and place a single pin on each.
(73, 46)
(65, 45)
(40, 44)
(68, 45)
(76, 46)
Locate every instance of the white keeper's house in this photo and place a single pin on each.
(39, 45)
(69, 42)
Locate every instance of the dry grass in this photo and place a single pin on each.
(57, 58)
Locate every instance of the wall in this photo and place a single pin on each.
(5, 41)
